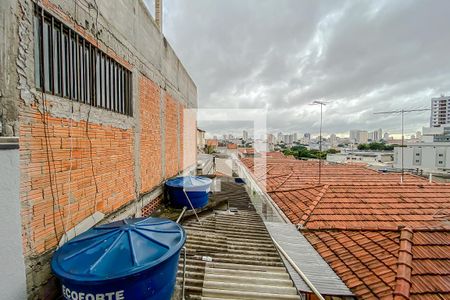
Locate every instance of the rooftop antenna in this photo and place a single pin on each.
(402, 112)
(321, 103)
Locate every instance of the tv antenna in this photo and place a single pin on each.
(402, 112)
(321, 103)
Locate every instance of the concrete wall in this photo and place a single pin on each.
(12, 277)
(8, 76)
(75, 159)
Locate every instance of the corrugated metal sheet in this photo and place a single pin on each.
(308, 260)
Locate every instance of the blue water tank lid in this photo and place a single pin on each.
(189, 182)
(118, 249)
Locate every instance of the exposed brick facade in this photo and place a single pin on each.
(69, 171)
(76, 159)
(150, 154)
(147, 210)
(171, 141)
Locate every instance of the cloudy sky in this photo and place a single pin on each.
(360, 56)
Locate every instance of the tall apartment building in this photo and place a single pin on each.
(97, 99)
(245, 135)
(440, 111)
(359, 136)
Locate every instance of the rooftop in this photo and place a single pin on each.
(382, 238)
(413, 264)
(230, 255)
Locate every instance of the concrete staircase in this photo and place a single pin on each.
(231, 256)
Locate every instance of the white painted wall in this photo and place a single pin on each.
(12, 275)
(428, 158)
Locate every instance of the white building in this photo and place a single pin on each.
(376, 135)
(440, 111)
(371, 158)
(432, 155)
(359, 136)
(245, 135)
(428, 157)
(333, 140)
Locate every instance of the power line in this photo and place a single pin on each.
(402, 112)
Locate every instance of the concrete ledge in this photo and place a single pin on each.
(7, 143)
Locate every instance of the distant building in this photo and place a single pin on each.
(428, 157)
(370, 158)
(376, 135)
(440, 111)
(436, 134)
(213, 143)
(386, 136)
(333, 140)
(280, 137)
(245, 135)
(359, 136)
(431, 155)
(307, 137)
(418, 135)
(201, 142)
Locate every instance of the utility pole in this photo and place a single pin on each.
(402, 112)
(321, 103)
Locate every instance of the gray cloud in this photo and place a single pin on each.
(363, 56)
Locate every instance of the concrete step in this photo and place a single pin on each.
(249, 287)
(245, 261)
(245, 267)
(228, 231)
(228, 294)
(195, 248)
(203, 236)
(248, 280)
(235, 255)
(249, 273)
(198, 244)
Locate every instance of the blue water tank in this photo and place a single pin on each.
(196, 187)
(125, 260)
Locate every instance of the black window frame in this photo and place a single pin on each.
(68, 67)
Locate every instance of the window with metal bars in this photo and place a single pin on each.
(69, 66)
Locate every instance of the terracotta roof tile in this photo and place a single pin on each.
(397, 263)
(352, 219)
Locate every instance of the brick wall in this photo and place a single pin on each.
(150, 154)
(68, 171)
(171, 136)
(181, 165)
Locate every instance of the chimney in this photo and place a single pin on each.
(158, 14)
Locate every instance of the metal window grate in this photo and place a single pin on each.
(69, 66)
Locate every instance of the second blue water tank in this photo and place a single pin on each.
(196, 187)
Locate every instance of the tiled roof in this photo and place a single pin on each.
(352, 219)
(274, 154)
(212, 142)
(377, 264)
(365, 260)
(293, 174)
(387, 205)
